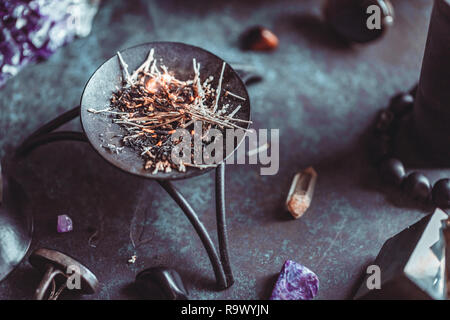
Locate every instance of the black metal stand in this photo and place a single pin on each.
(44, 134)
(221, 266)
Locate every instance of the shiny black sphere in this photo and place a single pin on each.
(417, 186)
(441, 193)
(392, 171)
(401, 103)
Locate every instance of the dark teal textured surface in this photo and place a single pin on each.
(321, 95)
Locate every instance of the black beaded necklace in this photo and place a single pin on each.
(416, 184)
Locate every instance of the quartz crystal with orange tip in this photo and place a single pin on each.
(301, 192)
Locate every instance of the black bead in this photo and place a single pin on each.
(161, 283)
(417, 186)
(401, 103)
(413, 91)
(379, 148)
(392, 171)
(385, 121)
(441, 193)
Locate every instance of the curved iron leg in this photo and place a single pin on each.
(200, 229)
(221, 223)
(41, 139)
(57, 122)
(44, 135)
(221, 267)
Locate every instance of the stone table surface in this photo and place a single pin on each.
(321, 94)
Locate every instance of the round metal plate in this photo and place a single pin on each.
(99, 128)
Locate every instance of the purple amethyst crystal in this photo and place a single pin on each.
(31, 30)
(64, 223)
(295, 282)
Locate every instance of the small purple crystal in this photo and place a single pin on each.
(64, 223)
(295, 282)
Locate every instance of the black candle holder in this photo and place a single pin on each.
(97, 92)
(221, 266)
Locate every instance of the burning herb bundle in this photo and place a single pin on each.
(152, 104)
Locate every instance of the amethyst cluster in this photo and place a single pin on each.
(31, 30)
(295, 282)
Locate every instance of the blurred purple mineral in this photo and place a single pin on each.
(31, 30)
(295, 282)
(64, 223)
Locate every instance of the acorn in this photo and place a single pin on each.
(259, 38)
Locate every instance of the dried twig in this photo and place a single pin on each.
(219, 88)
(124, 69)
(234, 95)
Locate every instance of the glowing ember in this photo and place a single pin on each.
(151, 85)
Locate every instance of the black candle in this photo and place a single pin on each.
(432, 106)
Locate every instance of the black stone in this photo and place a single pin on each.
(161, 283)
(401, 103)
(348, 18)
(441, 193)
(417, 186)
(392, 171)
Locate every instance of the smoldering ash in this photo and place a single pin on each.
(152, 104)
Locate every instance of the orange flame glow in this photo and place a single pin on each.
(151, 85)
